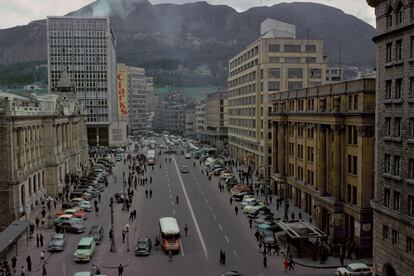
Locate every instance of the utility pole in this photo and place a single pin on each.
(124, 205)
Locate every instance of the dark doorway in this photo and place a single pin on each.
(388, 270)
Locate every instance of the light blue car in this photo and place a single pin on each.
(86, 206)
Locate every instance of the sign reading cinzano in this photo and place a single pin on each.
(122, 91)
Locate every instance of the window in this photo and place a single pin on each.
(300, 173)
(387, 197)
(295, 73)
(388, 87)
(352, 135)
(292, 85)
(388, 52)
(409, 245)
(310, 132)
(385, 232)
(292, 48)
(397, 165)
(398, 88)
(395, 237)
(389, 18)
(397, 127)
(300, 151)
(352, 167)
(387, 163)
(348, 193)
(387, 126)
(353, 102)
(274, 48)
(310, 48)
(310, 154)
(396, 201)
(274, 73)
(292, 59)
(310, 59)
(411, 168)
(291, 149)
(398, 49)
(274, 86)
(315, 73)
(412, 46)
(411, 92)
(354, 195)
(411, 206)
(400, 14)
(274, 59)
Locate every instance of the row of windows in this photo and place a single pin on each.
(292, 60)
(57, 51)
(300, 129)
(292, 48)
(242, 122)
(242, 132)
(395, 238)
(246, 56)
(308, 179)
(77, 33)
(394, 125)
(77, 42)
(392, 165)
(70, 24)
(242, 101)
(394, 89)
(310, 153)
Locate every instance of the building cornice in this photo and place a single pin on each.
(374, 3)
(392, 32)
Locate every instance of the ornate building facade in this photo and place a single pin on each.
(323, 153)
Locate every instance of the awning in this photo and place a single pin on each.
(299, 229)
(11, 233)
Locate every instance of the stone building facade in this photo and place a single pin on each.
(394, 179)
(322, 156)
(41, 141)
(216, 119)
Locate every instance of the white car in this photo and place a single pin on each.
(187, 155)
(354, 269)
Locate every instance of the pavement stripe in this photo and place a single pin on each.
(211, 209)
(219, 225)
(235, 253)
(214, 216)
(226, 238)
(203, 244)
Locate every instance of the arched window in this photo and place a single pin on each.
(35, 183)
(390, 18)
(399, 12)
(30, 186)
(23, 195)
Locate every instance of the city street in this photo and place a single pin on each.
(211, 220)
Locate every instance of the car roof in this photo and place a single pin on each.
(86, 241)
(65, 216)
(58, 235)
(357, 265)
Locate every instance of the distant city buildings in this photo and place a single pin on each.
(394, 168)
(84, 47)
(277, 61)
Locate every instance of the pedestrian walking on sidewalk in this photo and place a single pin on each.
(170, 256)
(150, 193)
(120, 270)
(37, 221)
(41, 240)
(146, 193)
(264, 261)
(42, 256)
(123, 236)
(22, 271)
(291, 263)
(257, 235)
(44, 271)
(186, 229)
(236, 209)
(37, 240)
(176, 199)
(135, 213)
(29, 263)
(250, 223)
(13, 263)
(286, 264)
(231, 200)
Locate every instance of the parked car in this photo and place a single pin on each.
(86, 206)
(187, 155)
(231, 273)
(85, 250)
(65, 218)
(96, 232)
(225, 174)
(70, 227)
(253, 209)
(248, 201)
(57, 243)
(143, 246)
(268, 236)
(184, 169)
(77, 213)
(69, 205)
(217, 171)
(359, 269)
(77, 200)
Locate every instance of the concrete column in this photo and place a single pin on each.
(336, 162)
(281, 147)
(321, 167)
(21, 147)
(275, 166)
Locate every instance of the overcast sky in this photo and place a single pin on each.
(21, 12)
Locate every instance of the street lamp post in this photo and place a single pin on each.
(113, 245)
(124, 206)
(127, 235)
(265, 183)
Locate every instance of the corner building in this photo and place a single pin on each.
(394, 173)
(277, 61)
(323, 152)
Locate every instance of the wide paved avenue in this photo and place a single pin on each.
(211, 221)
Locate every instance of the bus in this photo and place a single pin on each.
(151, 157)
(170, 235)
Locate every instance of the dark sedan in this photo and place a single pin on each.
(143, 247)
(57, 243)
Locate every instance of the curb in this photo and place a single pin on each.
(321, 267)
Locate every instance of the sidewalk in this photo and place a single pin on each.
(331, 262)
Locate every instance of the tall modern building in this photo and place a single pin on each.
(200, 120)
(394, 173)
(84, 47)
(277, 61)
(216, 119)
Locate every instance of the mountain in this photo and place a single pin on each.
(190, 44)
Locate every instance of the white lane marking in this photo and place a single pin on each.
(199, 188)
(235, 253)
(227, 239)
(202, 193)
(174, 211)
(214, 216)
(209, 207)
(219, 225)
(203, 244)
(182, 249)
(206, 200)
(170, 196)
(172, 203)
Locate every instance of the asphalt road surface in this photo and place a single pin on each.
(211, 220)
